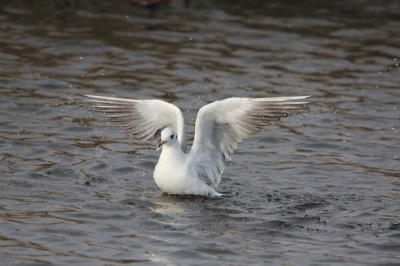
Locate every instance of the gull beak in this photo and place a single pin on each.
(160, 144)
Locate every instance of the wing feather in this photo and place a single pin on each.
(222, 124)
(143, 119)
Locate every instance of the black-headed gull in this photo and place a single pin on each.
(219, 127)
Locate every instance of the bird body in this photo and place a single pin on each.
(178, 176)
(219, 127)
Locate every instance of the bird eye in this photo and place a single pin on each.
(172, 136)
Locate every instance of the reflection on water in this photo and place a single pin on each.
(316, 188)
(174, 204)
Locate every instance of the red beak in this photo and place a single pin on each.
(160, 144)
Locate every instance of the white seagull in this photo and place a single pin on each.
(219, 127)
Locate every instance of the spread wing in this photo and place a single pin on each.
(144, 119)
(222, 124)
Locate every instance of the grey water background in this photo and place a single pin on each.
(320, 188)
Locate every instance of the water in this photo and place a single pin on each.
(317, 188)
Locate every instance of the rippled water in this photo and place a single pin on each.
(317, 188)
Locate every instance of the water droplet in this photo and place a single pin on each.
(344, 140)
(81, 57)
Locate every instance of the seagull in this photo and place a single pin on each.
(219, 127)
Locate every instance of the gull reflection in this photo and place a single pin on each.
(172, 204)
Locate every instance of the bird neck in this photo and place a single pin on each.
(173, 149)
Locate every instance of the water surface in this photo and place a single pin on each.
(320, 188)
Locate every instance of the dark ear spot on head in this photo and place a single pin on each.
(172, 136)
(176, 136)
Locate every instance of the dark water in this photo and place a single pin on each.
(321, 188)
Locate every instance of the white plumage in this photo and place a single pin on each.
(219, 127)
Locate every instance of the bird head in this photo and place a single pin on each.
(168, 137)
